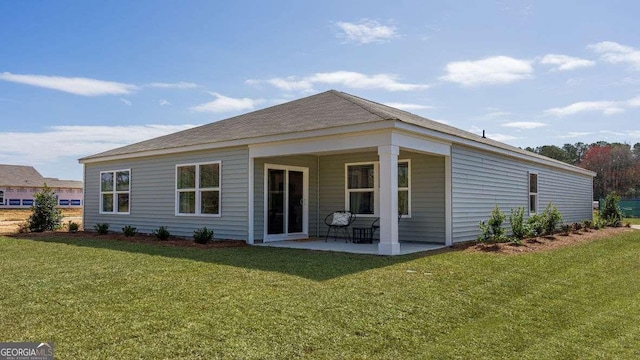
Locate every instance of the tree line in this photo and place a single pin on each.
(617, 165)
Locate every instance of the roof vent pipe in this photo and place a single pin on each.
(484, 137)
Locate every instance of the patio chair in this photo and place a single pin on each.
(375, 225)
(339, 220)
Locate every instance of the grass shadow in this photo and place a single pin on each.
(309, 264)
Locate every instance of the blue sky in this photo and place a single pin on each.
(77, 78)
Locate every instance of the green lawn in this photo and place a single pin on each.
(112, 299)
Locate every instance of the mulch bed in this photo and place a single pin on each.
(544, 243)
(139, 239)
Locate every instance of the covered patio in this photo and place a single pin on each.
(309, 179)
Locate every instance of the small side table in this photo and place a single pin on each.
(362, 235)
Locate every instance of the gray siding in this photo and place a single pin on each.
(427, 221)
(482, 180)
(308, 161)
(152, 198)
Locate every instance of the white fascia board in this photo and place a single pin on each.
(486, 147)
(384, 124)
(420, 144)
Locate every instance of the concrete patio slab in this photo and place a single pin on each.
(348, 247)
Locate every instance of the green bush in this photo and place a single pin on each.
(519, 227)
(536, 224)
(73, 226)
(44, 214)
(101, 228)
(587, 224)
(577, 227)
(610, 211)
(565, 229)
(203, 235)
(129, 231)
(162, 233)
(492, 231)
(551, 219)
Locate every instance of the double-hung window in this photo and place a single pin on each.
(115, 190)
(362, 188)
(198, 189)
(533, 193)
(362, 185)
(404, 188)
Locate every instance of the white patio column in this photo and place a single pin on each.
(389, 244)
(250, 203)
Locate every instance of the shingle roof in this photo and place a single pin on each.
(321, 111)
(28, 176)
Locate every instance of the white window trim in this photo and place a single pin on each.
(376, 188)
(529, 173)
(199, 190)
(114, 192)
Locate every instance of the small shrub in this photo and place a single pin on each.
(492, 231)
(515, 241)
(203, 235)
(129, 231)
(73, 226)
(101, 228)
(587, 224)
(536, 224)
(551, 219)
(485, 233)
(610, 212)
(162, 233)
(44, 214)
(519, 227)
(565, 229)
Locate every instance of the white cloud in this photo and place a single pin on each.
(178, 85)
(501, 137)
(74, 141)
(365, 31)
(348, 79)
(125, 101)
(223, 104)
(72, 85)
(164, 102)
(407, 106)
(573, 134)
(492, 70)
(564, 62)
(606, 107)
(525, 125)
(635, 102)
(496, 114)
(615, 53)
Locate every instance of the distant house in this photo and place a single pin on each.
(19, 183)
(274, 174)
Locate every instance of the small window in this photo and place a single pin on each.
(1, 197)
(198, 189)
(115, 189)
(404, 188)
(533, 193)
